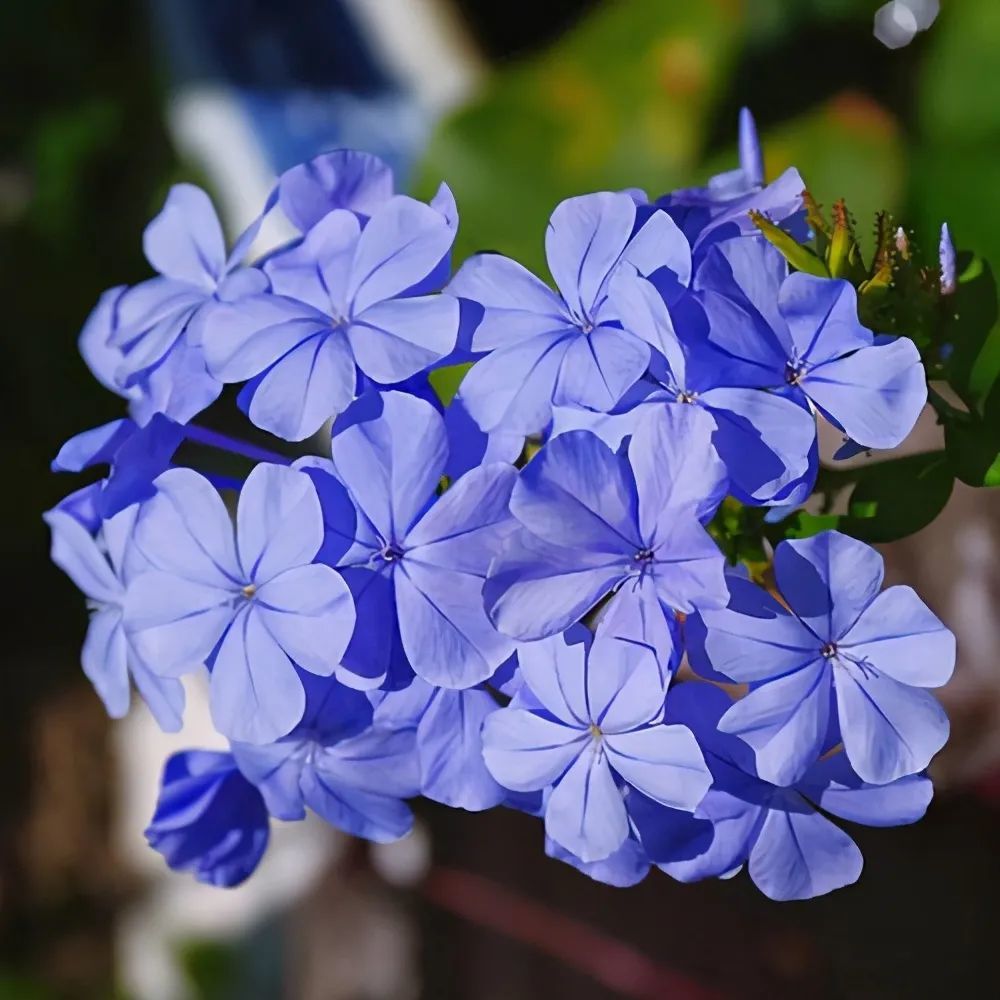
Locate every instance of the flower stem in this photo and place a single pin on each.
(213, 439)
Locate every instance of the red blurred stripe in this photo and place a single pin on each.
(612, 963)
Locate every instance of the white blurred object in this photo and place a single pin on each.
(173, 907)
(925, 11)
(426, 47)
(404, 863)
(897, 22)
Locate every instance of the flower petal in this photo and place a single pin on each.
(449, 740)
(403, 241)
(518, 306)
(185, 530)
(599, 368)
(447, 636)
(577, 492)
(525, 752)
(279, 522)
(309, 611)
(663, 762)
(785, 721)
(394, 340)
(900, 636)
(585, 237)
(535, 589)
(875, 394)
(392, 460)
(255, 694)
(585, 813)
(889, 729)
(185, 240)
(800, 854)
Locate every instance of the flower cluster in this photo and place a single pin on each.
(486, 600)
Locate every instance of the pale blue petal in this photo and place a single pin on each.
(828, 580)
(525, 752)
(599, 367)
(392, 461)
(518, 306)
(186, 530)
(447, 636)
(535, 589)
(394, 340)
(578, 493)
(663, 762)
(833, 785)
(785, 721)
(242, 339)
(584, 239)
(449, 740)
(304, 388)
(342, 178)
(105, 660)
(889, 729)
(555, 670)
(173, 623)
(900, 636)
(464, 529)
(644, 313)
(875, 395)
(255, 695)
(75, 552)
(185, 240)
(755, 638)
(402, 243)
(309, 611)
(800, 854)
(279, 523)
(585, 813)
(677, 470)
(625, 686)
(822, 317)
(511, 388)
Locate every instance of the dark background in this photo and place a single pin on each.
(85, 161)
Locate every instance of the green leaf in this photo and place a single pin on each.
(802, 524)
(898, 497)
(969, 318)
(958, 92)
(973, 445)
(445, 381)
(622, 100)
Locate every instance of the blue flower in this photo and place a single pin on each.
(792, 850)
(345, 298)
(336, 762)
(843, 652)
(341, 179)
(209, 819)
(101, 564)
(800, 334)
(623, 868)
(594, 521)
(135, 455)
(764, 439)
(565, 348)
(589, 725)
(721, 209)
(156, 325)
(449, 741)
(255, 605)
(415, 562)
